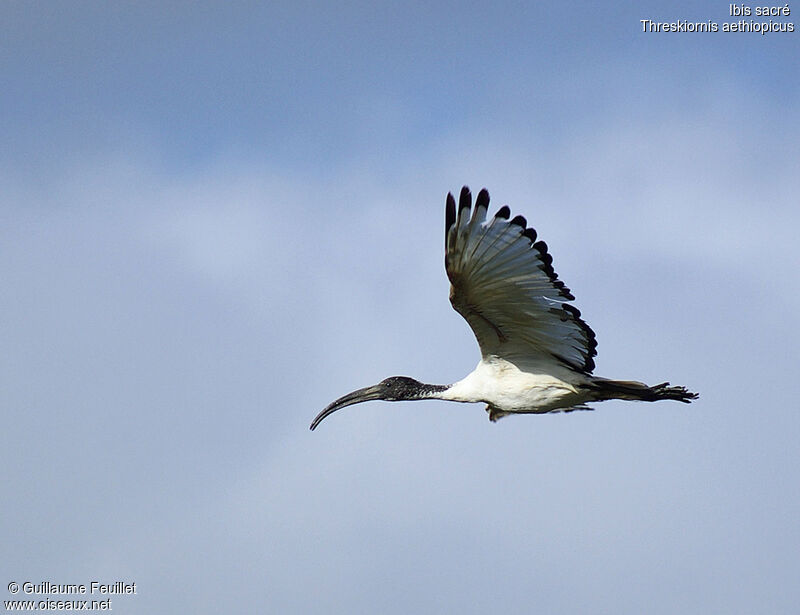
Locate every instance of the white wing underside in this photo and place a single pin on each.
(503, 284)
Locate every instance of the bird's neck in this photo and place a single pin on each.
(430, 391)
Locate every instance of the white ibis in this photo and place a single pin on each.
(536, 350)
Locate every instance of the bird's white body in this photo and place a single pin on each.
(507, 388)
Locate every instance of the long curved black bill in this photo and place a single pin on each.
(356, 397)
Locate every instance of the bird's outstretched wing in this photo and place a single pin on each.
(503, 284)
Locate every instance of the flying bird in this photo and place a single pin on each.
(537, 353)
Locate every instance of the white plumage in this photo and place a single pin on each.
(537, 353)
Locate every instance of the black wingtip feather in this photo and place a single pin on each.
(530, 234)
(464, 199)
(565, 292)
(520, 221)
(449, 213)
(504, 212)
(483, 199)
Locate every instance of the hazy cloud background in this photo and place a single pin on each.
(216, 218)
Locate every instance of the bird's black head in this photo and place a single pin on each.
(396, 388)
(399, 388)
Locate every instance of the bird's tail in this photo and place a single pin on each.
(629, 389)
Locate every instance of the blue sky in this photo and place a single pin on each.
(216, 218)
